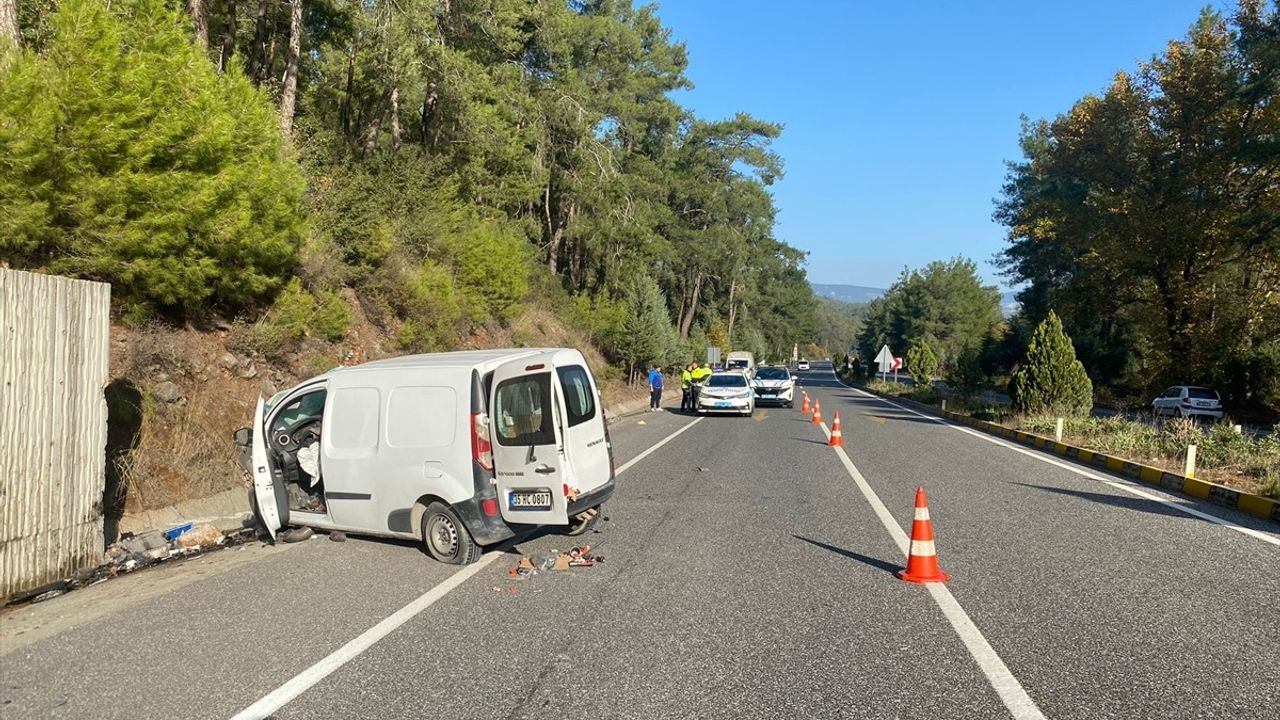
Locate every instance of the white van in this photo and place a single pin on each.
(740, 360)
(459, 450)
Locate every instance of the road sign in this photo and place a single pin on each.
(713, 356)
(897, 363)
(885, 359)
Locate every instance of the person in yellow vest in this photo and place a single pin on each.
(686, 379)
(697, 377)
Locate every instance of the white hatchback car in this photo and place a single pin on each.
(802, 365)
(727, 392)
(1188, 401)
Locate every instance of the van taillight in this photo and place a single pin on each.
(489, 506)
(481, 447)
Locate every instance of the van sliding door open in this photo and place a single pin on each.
(527, 440)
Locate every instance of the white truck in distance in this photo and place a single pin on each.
(744, 361)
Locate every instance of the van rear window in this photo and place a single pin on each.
(578, 398)
(522, 411)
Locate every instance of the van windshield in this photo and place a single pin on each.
(727, 380)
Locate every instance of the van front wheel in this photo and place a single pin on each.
(446, 537)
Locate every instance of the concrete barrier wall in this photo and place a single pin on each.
(54, 339)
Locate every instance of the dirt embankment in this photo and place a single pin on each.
(177, 395)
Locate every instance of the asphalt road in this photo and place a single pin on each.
(747, 575)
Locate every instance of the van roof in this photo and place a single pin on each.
(459, 359)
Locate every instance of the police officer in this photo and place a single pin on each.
(686, 393)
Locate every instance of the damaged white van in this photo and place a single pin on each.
(459, 450)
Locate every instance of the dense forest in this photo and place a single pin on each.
(1148, 216)
(447, 162)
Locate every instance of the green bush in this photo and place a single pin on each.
(1051, 380)
(295, 314)
(921, 363)
(965, 374)
(128, 158)
(492, 262)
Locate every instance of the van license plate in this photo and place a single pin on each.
(529, 500)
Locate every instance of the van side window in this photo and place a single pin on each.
(522, 411)
(578, 397)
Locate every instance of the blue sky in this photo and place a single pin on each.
(899, 116)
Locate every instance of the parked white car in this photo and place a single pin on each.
(774, 384)
(458, 450)
(1188, 401)
(727, 392)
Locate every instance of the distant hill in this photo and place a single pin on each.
(847, 293)
(1009, 303)
(863, 294)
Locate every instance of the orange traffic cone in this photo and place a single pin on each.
(817, 412)
(837, 439)
(805, 407)
(922, 560)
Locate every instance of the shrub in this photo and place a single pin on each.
(965, 374)
(922, 364)
(1051, 379)
(491, 259)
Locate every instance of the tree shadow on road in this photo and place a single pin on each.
(1121, 501)
(873, 562)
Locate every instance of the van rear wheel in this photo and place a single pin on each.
(446, 537)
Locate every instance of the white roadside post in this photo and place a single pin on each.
(1190, 468)
(1057, 432)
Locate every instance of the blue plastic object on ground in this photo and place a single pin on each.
(175, 532)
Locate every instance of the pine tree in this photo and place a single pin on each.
(1051, 380)
(130, 159)
(922, 364)
(646, 335)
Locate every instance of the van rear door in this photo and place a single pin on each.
(528, 457)
(264, 491)
(585, 436)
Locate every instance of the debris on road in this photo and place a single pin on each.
(136, 551)
(297, 534)
(338, 536)
(555, 560)
(200, 536)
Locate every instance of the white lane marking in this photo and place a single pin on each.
(305, 680)
(660, 443)
(302, 682)
(1111, 482)
(1011, 692)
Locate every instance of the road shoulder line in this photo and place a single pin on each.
(306, 679)
(1011, 692)
(1132, 490)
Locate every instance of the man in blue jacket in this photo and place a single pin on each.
(655, 388)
